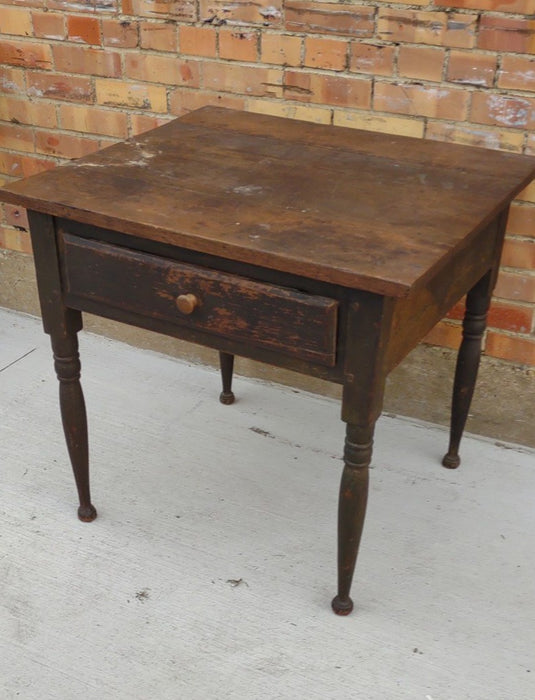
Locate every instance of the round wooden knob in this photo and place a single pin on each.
(186, 303)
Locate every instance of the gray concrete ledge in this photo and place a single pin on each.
(420, 387)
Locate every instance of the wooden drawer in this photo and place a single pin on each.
(222, 304)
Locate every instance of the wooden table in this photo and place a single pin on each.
(324, 250)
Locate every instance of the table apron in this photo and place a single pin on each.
(127, 284)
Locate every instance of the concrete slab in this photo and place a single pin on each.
(210, 569)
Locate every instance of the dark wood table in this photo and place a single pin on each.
(324, 250)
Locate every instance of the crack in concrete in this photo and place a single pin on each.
(18, 359)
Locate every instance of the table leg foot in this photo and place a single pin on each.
(226, 363)
(87, 513)
(342, 606)
(451, 461)
(227, 397)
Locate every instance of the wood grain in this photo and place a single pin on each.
(368, 211)
(267, 316)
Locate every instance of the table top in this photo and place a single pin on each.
(365, 210)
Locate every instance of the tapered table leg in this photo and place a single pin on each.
(226, 362)
(352, 509)
(73, 416)
(62, 325)
(474, 324)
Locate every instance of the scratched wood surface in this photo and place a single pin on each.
(365, 210)
(302, 325)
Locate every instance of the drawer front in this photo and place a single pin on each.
(222, 304)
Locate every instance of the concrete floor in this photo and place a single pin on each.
(210, 569)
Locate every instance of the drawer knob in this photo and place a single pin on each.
(186, 303)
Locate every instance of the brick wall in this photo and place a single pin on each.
(76, 75)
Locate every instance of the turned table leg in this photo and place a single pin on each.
(352, 509)
(73, 416)
(474, 324)
(62, 325)
(368, 325)
(226, 362)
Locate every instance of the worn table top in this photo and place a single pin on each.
(371, 211)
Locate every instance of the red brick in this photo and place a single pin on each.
(197, 41)
(471, 68)
(16, 21)
(507, 317)
(474, 135)
(510, 317)
(241, 12)
(49, 25)
(238, 45)
(419, 100)
(516, 287)
(79, 59)
(342, 91)
(11, 80)
(457, 312)
(59, 87)
(16, 216)
(523, 7)
(158, 36)
(120, 93)
(64, 145)
(24, 111)
(17, 138)
(374, 121)
(374, 59)
(120, 34)
(506, 34)
(281, 49)
(25, 3)
(519, 254)
(143, 122)
(93, 120)
(22, 53)
(84, 29)
(23, 165)
(162, 69)
(181, 10)
(511, 348)
(423, 63)
(521, 220)
(183, 100)
(15, 240)
(517, 73)
(245, 80)
(329, 54)
(502, 110)
(423, 27)
(329, 18)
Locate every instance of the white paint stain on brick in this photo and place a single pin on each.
(510, 112)
(270, 12)
(470, 81)
(34, 92)
(9, 85)
(527, 77)
(59, 37)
